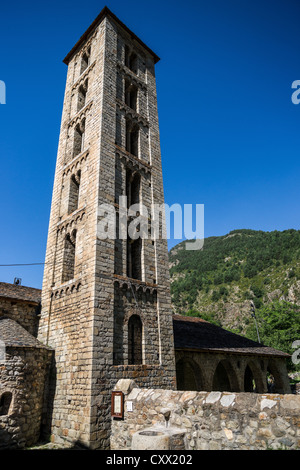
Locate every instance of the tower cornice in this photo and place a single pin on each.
(106, 12)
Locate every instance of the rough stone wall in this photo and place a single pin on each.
(116, 297)
(79, 316)
(66, 322)
(213, 420)
(24, 375)
(24, 313)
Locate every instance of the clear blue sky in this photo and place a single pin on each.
(230, 135)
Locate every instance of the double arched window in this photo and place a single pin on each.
(135, 340)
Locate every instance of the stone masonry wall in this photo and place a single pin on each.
(22, 312)
(24, 376)
(86, 319)
(212, 420)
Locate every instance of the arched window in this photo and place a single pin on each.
(5, 402)
(134, 247)
(131, 95)
(133, 188)
(69, 257)
(74, 192)
(82, 92)
(85, 60)
(131, 60)
(79, 132)
(132, 138)
(134, 258)
(135, 336)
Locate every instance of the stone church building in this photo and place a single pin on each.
(104, 312)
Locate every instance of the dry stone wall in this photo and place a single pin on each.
(212, 420)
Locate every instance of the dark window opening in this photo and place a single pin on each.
(133, 187)
(132, 138)
(134, 246)
(82, 92)
(79, 138)
(127, 54)
(134, 259)
(69, 257)
(130, 95)
(135, 335)
(5, 402)
(85, 61)
(131, 60)
(74, 192)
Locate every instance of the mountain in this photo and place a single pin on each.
(219, 282)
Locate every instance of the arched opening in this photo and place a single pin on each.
(5, 402)
(135, 340)
(275, 383)
(134, 246)
(249, 381)
(133, 62)
(221, 380)
(133, 188)
(131, 95)
(74, 192)
(188, 375)
(132, 138)
(85, 60)
(79, 132)
(253, 378)
(82, 92)
(69, 257)
(134, 258)
(130, 59)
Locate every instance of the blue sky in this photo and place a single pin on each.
(230, 134)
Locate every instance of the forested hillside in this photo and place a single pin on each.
(219, 282)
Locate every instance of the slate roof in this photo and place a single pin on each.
(190, 333)
(15, 335)
(27, 294)
(195, 334)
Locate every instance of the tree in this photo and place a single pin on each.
(279, 326)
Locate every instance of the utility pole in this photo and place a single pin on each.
(254, 316)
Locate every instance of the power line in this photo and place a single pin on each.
(23, 264)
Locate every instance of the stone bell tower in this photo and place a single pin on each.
(105, 302)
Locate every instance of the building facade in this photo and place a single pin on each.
(105, 302)
(104, 313)
(25, 364)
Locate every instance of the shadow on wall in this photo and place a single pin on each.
(6, 441)
(49, 393)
